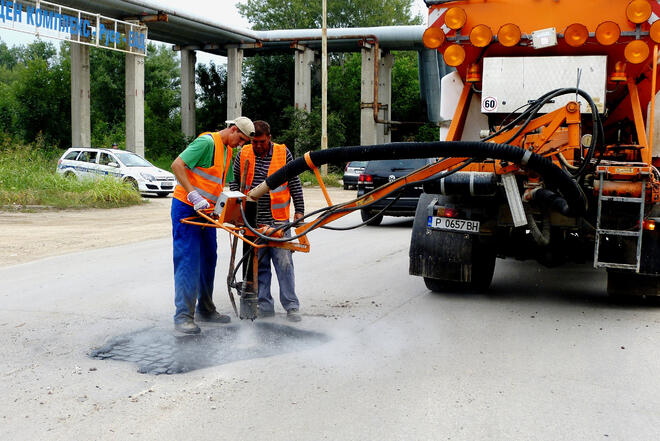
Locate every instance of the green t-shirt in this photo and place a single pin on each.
(199, 153)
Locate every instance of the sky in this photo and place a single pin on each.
(223, 11)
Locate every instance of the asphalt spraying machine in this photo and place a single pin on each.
(548, 153)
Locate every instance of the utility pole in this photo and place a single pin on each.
(324, 86)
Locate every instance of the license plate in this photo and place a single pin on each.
(451, 224)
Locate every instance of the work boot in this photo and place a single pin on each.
(187, 327)
(265, 314)
(214, 317)
(293, 315)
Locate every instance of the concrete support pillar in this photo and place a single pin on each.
(303, 60)
(135, 104)
(385, 97)
(188, 61)
(81, 134)
(368, 132)
(234, 86)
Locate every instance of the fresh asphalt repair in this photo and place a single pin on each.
(157, 351)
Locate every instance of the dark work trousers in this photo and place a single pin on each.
(195, 256)
(283, 262)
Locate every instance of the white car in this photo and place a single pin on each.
(90, 163)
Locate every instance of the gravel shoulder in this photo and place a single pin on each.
(28, 236)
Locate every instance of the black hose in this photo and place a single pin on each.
(596, 121)
(554, 177)
(551, 200)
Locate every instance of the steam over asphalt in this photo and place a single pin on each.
(543, 356)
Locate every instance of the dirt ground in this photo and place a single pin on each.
(28, 236)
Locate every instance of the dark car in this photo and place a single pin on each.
(381, 172)
(352, 172)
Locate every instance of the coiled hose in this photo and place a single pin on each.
(554, 177)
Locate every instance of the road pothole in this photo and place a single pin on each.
(158, 351)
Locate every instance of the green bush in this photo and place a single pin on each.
(28, 177)
(164, 162)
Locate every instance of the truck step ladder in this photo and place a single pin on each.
(609, 232)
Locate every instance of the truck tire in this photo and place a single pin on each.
(482, 272)
(366, 215)
(449, 261)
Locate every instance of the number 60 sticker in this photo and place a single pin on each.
(489, 104)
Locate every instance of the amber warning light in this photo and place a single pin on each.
(649, 225)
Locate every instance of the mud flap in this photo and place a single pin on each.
(463, 260)
(622, 283)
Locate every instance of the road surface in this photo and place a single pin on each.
(544, 355)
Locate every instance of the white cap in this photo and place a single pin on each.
(244, 124)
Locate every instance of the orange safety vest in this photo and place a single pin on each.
(280, 198)
(210, 181)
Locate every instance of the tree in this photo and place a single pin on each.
(162, 88)
(303, 132)
(269, 90)
(41, 97)
(35, 96)
(9, 57)
(269, 84)
(303, 14)
(212, 101)
(38, 50)
(107, 96)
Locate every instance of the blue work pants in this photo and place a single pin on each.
(195, 256)
(283, 262)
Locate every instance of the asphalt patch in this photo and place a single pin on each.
(158, 351)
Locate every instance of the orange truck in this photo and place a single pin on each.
(574, 82)
(548, 150)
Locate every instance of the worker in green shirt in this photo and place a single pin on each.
(201, 170)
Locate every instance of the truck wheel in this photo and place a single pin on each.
(449, 261)
(438, 285)
(366, 215)
(70, 175)
(483, 268)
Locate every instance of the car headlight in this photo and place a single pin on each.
(148, 176)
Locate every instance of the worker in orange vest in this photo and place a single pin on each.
(201, 170)
(264, 158)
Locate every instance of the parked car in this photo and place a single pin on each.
(88, 163)
(352, 173)
(380, 172)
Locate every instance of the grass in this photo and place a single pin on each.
(331, 180)
(163, 162)
(28, 177)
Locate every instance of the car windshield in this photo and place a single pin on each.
(132, 160)
(357, 164)
(390, 165)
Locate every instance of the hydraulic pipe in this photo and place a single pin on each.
(554, 177)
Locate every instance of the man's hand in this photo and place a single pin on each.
(297, 216)
(198, 201)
